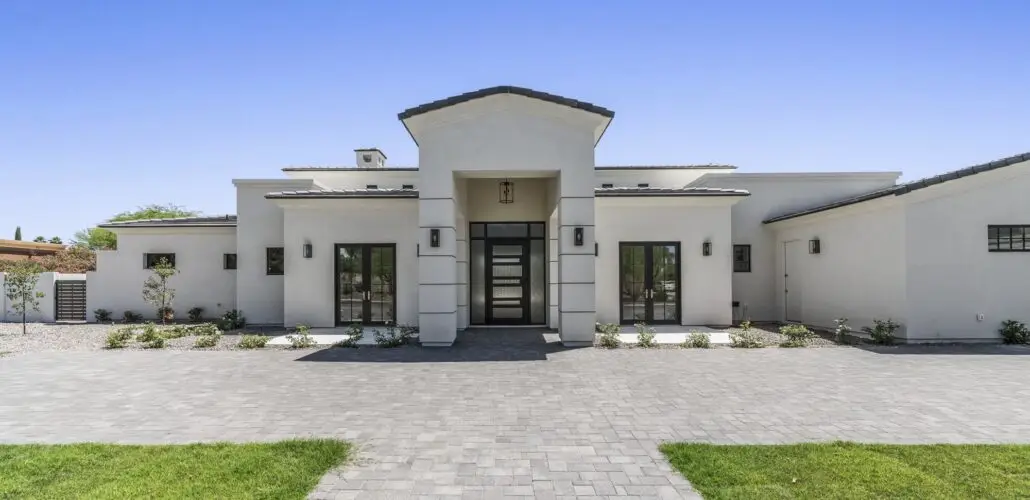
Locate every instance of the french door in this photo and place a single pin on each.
(649, 282)
(366, 287)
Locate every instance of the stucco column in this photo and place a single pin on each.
(437, 266)
(576, 312)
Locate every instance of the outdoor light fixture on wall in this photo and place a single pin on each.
(506, 192)
(706, 248)
(577, 236)
(307, 250)
(595, 249)
(814, 246)
(434, 238)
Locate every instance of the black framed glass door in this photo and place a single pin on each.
(366, 288)
(507, 278)
(507, 273)
(649, 282)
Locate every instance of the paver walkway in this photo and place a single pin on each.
(506, 414)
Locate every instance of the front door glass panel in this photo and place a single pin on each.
(366, 284)
(351, 291)
(649, 283)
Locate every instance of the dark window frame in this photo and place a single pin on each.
(147, 264)
(269, 269)
(407, 186)
(227, 264)
(644, 185)
(607, 185)
(371, 186)
(994, 238)
(746, 262)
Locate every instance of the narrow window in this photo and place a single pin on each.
(742, 258)
(229, 261)
(151, 259)
(607, 185)
(407, 186)
(1008, 238)
(274, 261)
(371, 186)
(643, 185)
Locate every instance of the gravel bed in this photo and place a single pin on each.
(772, 338)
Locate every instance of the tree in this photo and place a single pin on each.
(102, 239)
(17, 233)
(56, 240)
(156, 291)
(70, 260)
(20, 288)
(40, 239)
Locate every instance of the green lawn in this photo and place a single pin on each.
(851, 470)
(286, 469)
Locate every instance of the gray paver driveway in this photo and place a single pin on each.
(507, 414)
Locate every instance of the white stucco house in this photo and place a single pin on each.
(507, 220)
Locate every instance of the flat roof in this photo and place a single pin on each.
(203, 221)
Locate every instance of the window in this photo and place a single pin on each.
(229, 261)
(742, 258)
(371, 186)
(274, 261)
(407, 186)
(1014, 238)
(151, 259)
(607, 185)
(643, 185)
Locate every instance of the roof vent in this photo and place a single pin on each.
(370, 158)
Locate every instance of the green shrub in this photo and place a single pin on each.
(609, 335)
(645, 336)
(883, 331)
(253, 341)
(203, 329)
(300, 339)
(355, 333)
(196, 314)
(390, 337)
(149, 333)
(746, 339)
(1014, 332)
(232, 320)
(698, 340)
(841, 329)
(745, 325)
(797, 335)
(102, 315)
(175, 332)
(204, 341)
(117, 338)
(131, 317)
(155, 343)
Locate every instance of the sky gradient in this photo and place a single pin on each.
(108, 105)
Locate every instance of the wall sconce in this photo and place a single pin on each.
(307, 250)
(595, 249)
(434, 238)
(706, 248)
(577, 236)
(506, 192)
(814, 246)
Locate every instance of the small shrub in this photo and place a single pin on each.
(797, 335)
(746, 339)
(389, 337)
(409, 332)
(117, 338)
(300, 339)
(156, 343)
(745, 325)
(841, 329)
(1014, 332)
(698, 340)
(645, 336)
(196, 314)
(102, 315)
(232, 320)
(203, 329)
(175, 332)
(205, 341)
(253, 341)
(883, 331)
(149, 333)
(131, 317)
(355, 333)
(609, 335)
(165, 314)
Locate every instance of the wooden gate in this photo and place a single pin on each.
(70, 300)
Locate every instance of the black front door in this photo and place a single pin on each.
(366, 283)
(507, 278)
(649, 283)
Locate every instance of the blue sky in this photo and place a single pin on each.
(108, 105)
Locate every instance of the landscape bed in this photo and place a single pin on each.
(284, 469)
(852, 470)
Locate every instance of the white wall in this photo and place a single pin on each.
(531, 204)
(357, 179)
(776, 194)
(705, 282)
(951, 275)
(859, 273)
(310, 283)
(202, 281)
(44, 284)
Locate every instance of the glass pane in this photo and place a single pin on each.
(632, 293)
(665, 282)
(477, 254)
(351, 286)
(1004, 238)
(536, 230)
(1017, 237)
(537, 282)
(507, 230)
(478, 230)
(382, 284)
(992, 238)
(507, 313)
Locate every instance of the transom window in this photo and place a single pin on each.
(1008, 238)
(229, 261)
(742, 258)
(151, 259)
(275, 261)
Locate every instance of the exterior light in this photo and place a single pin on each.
(307, 250)
(706, 248)
(595, 249)
(506, 192)
(434, 238)
(577, 236)
(814, 246)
